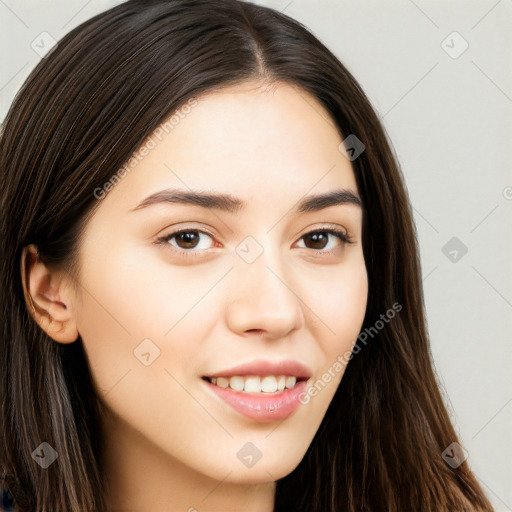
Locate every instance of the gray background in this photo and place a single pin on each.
(448, 117)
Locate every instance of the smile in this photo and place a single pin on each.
(259, 405)
(270, 384)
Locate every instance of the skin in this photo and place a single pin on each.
(171, 444)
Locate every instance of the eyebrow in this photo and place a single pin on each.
(230, 204)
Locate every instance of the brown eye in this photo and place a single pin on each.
(319, 239)
(191, 242)
(185, 240)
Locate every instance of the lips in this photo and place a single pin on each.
(261, 390)
(262, 407)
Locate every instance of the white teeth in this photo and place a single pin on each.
(222, 382)
(256, 384)
(236, 383)
(269, 384)
(290, 382)
(252, 385)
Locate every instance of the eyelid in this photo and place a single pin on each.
(164, 240)
(328, 227)
(342, 234)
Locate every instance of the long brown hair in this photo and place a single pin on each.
(78, 118)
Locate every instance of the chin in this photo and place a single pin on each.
(259, 473)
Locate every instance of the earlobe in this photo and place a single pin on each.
(45, 297)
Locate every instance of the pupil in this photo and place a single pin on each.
(188, 238)
(317, 238)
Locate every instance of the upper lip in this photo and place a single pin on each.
(262, 368)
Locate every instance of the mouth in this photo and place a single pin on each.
(248, 398)
(256, 384)
(261, 390)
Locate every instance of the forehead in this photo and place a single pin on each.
(250, 141)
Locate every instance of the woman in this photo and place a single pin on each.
(285, 364)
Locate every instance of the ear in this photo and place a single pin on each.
(48, 297)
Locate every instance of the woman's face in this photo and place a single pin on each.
(242, 286)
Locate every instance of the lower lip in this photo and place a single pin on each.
(261, 407)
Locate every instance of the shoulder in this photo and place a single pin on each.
(6, 500)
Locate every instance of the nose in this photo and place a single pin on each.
(263, 299)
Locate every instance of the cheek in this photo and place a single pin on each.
(134, 303)
(351, 307)
(149, 293)
(341, 306)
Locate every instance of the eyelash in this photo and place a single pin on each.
(341, 235)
